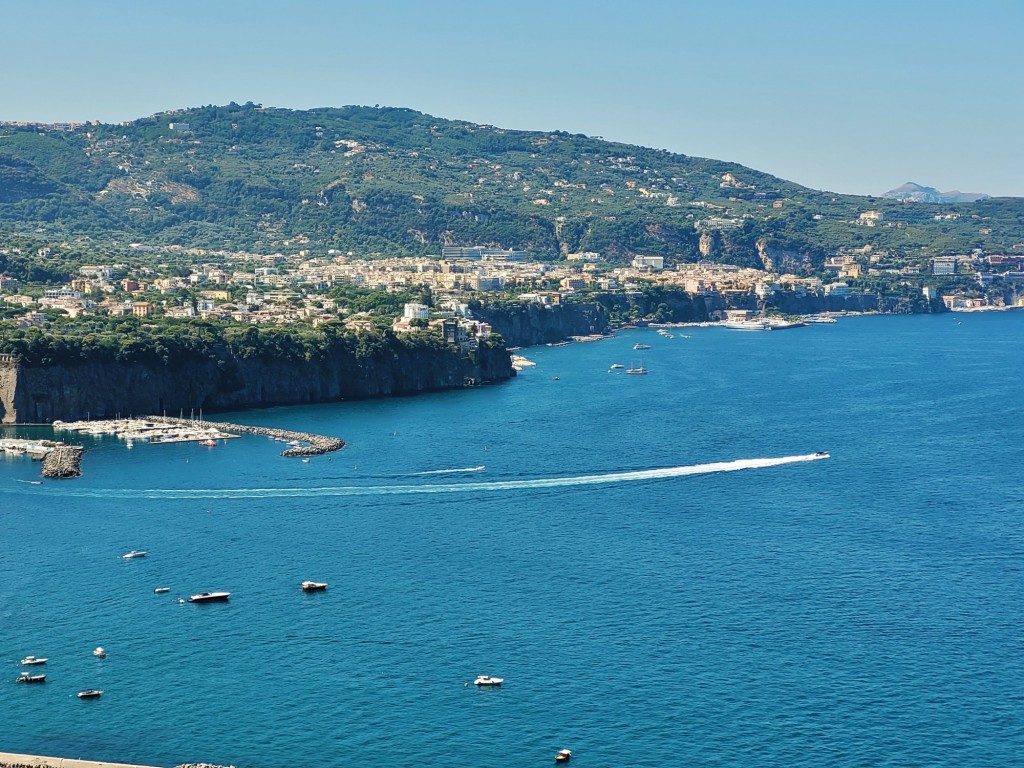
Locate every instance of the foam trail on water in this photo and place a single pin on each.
(474, 487)
(449, 471)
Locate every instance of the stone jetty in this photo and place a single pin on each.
(63, 461)
(315, 445)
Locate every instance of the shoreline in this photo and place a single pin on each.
(15, 760)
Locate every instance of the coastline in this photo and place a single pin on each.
(15, 760)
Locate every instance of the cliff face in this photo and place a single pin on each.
(104, 389)
(532, 323)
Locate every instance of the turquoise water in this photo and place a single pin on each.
(864, 610)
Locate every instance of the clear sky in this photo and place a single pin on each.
(852, 97)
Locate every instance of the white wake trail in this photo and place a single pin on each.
(607, 478)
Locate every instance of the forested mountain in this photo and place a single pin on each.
(399, 182)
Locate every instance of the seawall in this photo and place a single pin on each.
(14, 760)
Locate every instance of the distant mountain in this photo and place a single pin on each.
(915, 193)
(396, 182)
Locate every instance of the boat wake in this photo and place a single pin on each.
(481, 468)
(607, 478)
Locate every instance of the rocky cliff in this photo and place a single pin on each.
(531, 323)
(104, 389)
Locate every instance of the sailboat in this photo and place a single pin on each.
(637, 369)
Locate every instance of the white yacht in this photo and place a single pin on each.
(32, 660)
(134, 553)
(99, 653)
(210, 597)
(488, 680)
(313, 586)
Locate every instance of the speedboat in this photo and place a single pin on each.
(26, 677)
(563, 756)
(822, 454)
(313, 586)
(29, 660)
(488, 680)
(210, 597)
(92, 693)
(134, 553)
(641, 346)
(208, 443)
(99, 653)
(615, 366)
(162, 590)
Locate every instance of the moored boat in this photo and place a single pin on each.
(210, 597)
(91, 693)
(99, 653)
(488, 680)
(30, 660)
(563, 756)
(27, 677)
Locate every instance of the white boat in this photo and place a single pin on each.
(134, 553)
(27, 677)
(313, 586)
(641, 346)
(210, 597)
(99, 653)
(746, 325)
(639, 371)
(162, 590)
(92, 693)
(30, 660)
(615, 366)
(488, 680)
(563, 756)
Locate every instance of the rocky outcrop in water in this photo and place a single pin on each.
(64, 461)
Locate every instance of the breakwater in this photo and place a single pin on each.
(64, 461)
(13, 760)
(316, 445)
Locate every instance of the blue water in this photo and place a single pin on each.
(864, 610)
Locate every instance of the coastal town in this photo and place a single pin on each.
(296, 288)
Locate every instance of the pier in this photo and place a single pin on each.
(316, 445)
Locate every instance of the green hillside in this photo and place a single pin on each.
(399, 182)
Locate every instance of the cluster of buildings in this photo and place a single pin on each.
(282, 289)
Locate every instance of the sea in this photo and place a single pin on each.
(660, 567)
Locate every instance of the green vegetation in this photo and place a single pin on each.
(399, 182)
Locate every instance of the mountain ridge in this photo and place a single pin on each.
(396, 181)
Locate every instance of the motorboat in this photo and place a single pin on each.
(162, 590)
(641, 346)
(91, 693)
(210, 597)
(563, 756)
(26, 677)
(30, 660)
(208, 443)
(313, 586)
(99, 653)
(821, 454)
(488, 680)
(615, 366)
(134, 553)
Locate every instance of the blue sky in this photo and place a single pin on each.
(852, 97)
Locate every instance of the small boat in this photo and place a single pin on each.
(208, 443)
(822, 454)
(210, 597)
(305, 461)
(747, 325)
(615, 366)
(134, 553)
(488, 680)
(641, 346)
(92, 693)
(162, 590)
(563, 756)
(26, 677)
(313, 586)
(640, 371)
(99, 653)
(30, 660)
